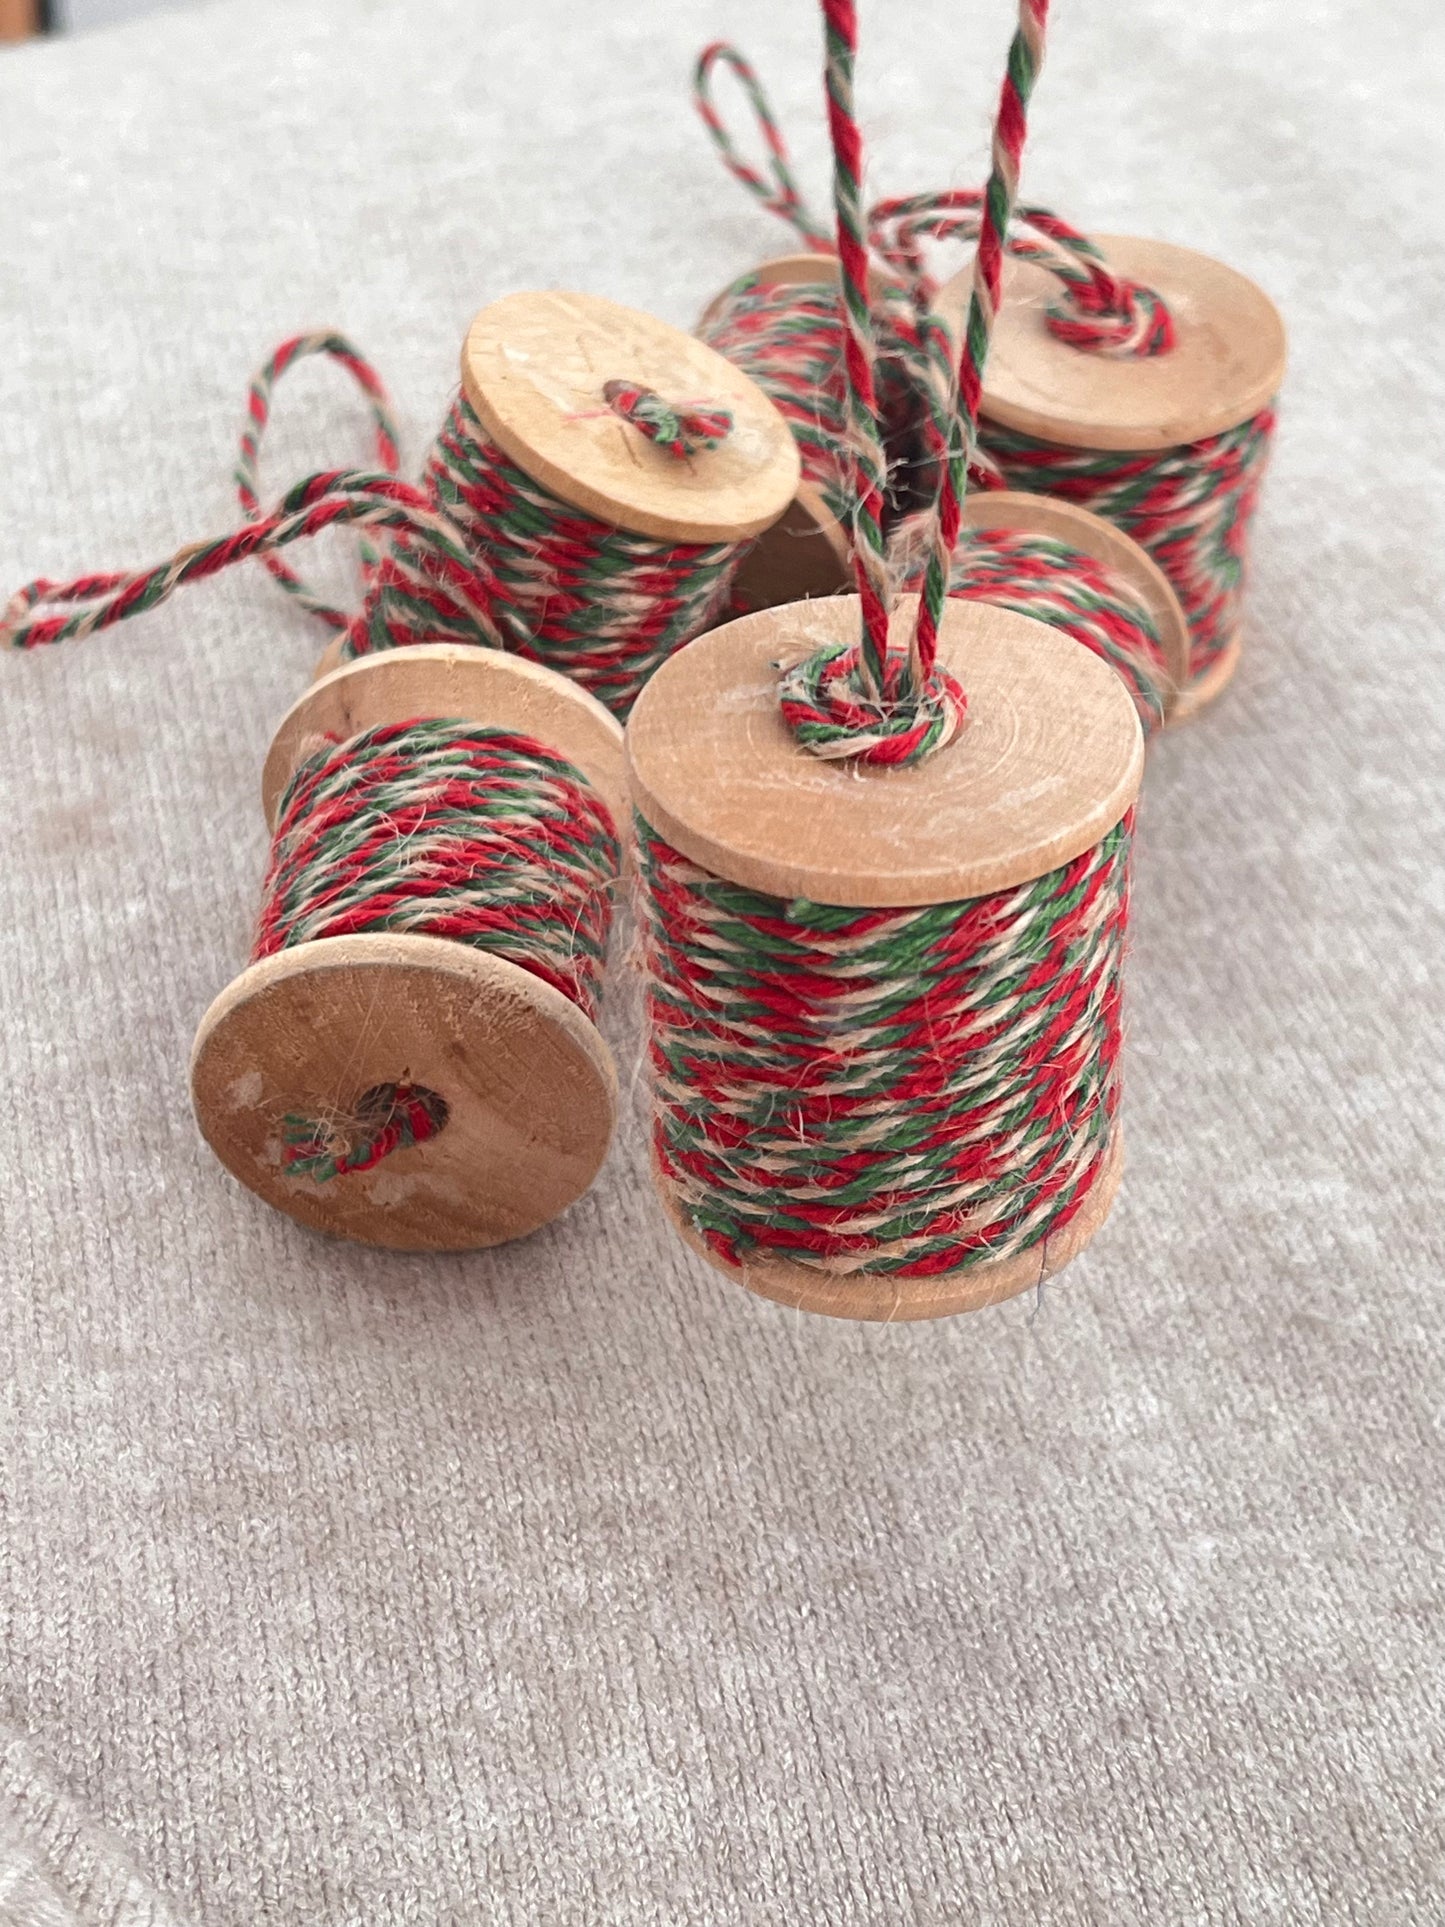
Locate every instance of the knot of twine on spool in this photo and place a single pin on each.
(679, 429)
(1099, 310)
(875, 702)
(831, 710)
(386, 1118)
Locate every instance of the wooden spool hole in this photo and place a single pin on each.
(1049, 762)
(528, 1083)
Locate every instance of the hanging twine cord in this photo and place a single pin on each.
(956, 426)
(45, 611)
(870, 560)
(902, 1092)
(867, 701)
(441, 829)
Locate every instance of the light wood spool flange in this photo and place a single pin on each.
(1105, 544)
(530, 1086)
(534, 367)
(1227, 362)
(1050, 760)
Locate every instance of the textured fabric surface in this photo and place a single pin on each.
(567, 1583)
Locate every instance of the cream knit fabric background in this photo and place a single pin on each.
(568, 1584)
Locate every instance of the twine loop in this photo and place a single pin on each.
(679, 429)
(782, 196)
(384, 1119)
(1098, 310)
(833, 711)
(336, 347)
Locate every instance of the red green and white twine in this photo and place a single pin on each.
(437, 828)
(782, 196)
(259, 398)
(601, 604)
(897, 1092)
(44, 611)
(1055, 583)
(1191, 507)
(957, 424)
(1098, 310)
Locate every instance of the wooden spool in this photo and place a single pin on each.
(1091, 535)
(1227, 363)
(1049, 762)
(534, 367)
(529, 1084)
(805, 553)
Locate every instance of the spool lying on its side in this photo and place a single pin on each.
(1047, 766)
(1225, 368)
(528, 1083)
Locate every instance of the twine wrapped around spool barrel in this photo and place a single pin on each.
(884, 1011)
(411, 1058)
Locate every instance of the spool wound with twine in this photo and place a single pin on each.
(884, 936)
(605, 475)
(411, 1058)
(586, 505)
(1104, 347)
(1168, 440)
